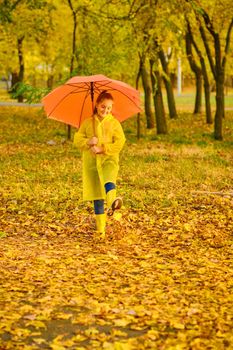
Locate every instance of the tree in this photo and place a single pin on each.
(190, 38)
(216, 29)
(144, 20)
(6, 9)
(145, 30)
(24, 20)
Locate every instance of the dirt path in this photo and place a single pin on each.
(20, 104)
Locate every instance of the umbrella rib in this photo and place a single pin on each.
(81, 113)
(88, 87)
(102, 85)
(79, 90)
(74, 92)
(79, 87)
(87, 93)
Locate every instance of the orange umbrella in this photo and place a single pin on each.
(74, 101)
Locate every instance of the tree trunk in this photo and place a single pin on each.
(139, 114)
(74, 13)
(219, 114)
(198, 97)
(197, 71)
(147, 101)
(161, 124)
(170, 98)
(209, 119)
(50, 81)
(21, 64)
(14, 80)
(168, 85)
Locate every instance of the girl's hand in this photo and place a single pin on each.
(97, 150)
(93, 141)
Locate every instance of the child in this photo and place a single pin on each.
(101, 139)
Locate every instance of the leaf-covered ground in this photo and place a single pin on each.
(163, 279)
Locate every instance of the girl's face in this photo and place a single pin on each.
(104, 107)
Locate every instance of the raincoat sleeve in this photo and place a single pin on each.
(81, 138)
(118, 140)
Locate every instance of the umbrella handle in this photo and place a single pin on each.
(92, 100)
(93, 124)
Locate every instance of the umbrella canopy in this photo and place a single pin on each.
(74, 101)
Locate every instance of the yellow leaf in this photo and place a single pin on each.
(162, 266)
(152, 334)
(36, 324)
(79, 338)
(57, 347)
(119, 333)
(177, 325)
(117, 216)
(63, 316)
(187, 227)
(114, 257)
(122, 346)
(91, 259)
(219, 334)
(121, 322)
(39, 340)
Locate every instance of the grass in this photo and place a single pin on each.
(188, 156)
(185, 101)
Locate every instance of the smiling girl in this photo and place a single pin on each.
(101, 139)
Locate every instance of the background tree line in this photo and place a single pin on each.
(43, 42)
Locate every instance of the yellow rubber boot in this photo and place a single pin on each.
(113, 202)
(100, 225)
(111, 196)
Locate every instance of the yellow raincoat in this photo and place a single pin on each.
(100, 168)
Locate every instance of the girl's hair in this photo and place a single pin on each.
(104, 95)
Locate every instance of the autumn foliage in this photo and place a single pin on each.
(163, 277)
